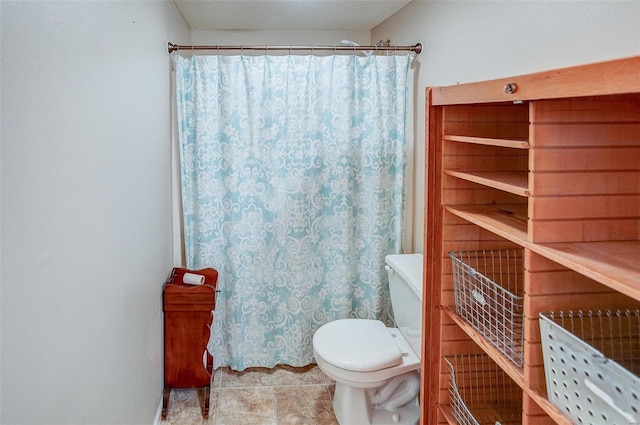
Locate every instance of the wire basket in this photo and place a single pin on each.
(488, 290)
(481, 392)
(591, 363)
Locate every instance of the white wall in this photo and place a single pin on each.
(278, 37)
(85, 209)
(478, 40)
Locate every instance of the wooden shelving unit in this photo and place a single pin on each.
(552, 168)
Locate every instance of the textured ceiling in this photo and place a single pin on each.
(287, 14)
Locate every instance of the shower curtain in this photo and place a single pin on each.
(292, 173)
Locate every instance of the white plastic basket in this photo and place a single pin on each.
(591, 363)
(489, 295)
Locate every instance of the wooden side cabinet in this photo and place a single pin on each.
(187, 321)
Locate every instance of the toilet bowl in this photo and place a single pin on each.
(376, 368)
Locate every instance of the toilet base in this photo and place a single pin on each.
(407, 414)
(352, 407)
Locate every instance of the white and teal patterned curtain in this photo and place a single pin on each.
(292, 171)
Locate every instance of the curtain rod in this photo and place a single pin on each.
(417, 48)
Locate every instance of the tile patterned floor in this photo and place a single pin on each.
(280, 396)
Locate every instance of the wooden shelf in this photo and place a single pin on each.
(514, 372)
(543, 402)
(509, 181)
(447, 412)
(507, 221)
(615, 264)
(505, 143)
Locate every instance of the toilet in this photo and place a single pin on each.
(376, 368)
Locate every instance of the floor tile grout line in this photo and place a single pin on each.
(217, 412)
(275, 405)
(321, 380)
(272, 386)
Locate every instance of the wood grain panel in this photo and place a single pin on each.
(490, 121)
(452, 332)
(482, 196)
(536, 378)
(612, 263)
(457, 346)
(580, 159)
(451, 148)
(514, 182)
(505, 221)
(533, 414)
(560, 282)
(534, 262)
(466, 232)
(488, 130)
(586, 185)
(492, 113)
(533, 352)
(585, 134)
(486, 162)
(585, 207)
(448, 298)
(614, 229)
(542, 303)
(602, 109)
(519, 143)
(590, 183)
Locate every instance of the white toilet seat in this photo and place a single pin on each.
(357, 345)
(408, 360)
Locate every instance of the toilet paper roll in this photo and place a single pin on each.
(193, 279)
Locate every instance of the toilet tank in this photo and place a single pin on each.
(405, 286)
